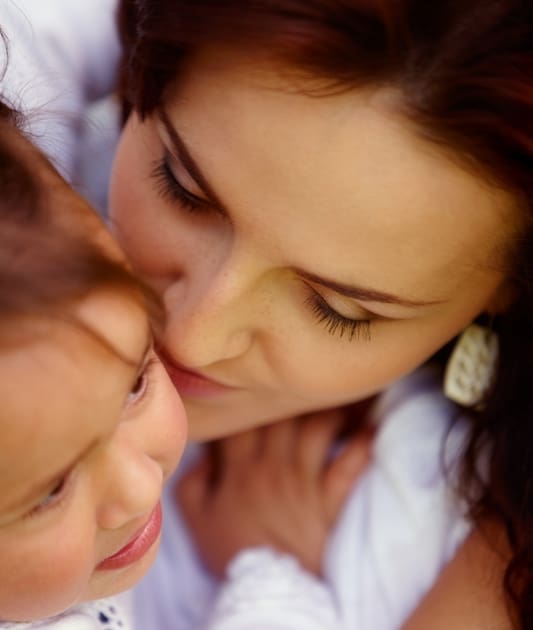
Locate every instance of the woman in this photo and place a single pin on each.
(325, 194)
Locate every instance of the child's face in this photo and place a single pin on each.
(88, 439)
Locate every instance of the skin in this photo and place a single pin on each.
(337, 186)
(101, 408)
(276, 486)
(103, 419)
(468, 594)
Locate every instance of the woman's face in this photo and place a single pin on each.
(309, 249)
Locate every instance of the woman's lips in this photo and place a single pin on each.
(138, 545)
(190, 383)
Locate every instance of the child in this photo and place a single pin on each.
(90, 425)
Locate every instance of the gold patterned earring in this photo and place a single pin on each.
(472, 366)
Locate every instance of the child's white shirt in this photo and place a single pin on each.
(112, 613)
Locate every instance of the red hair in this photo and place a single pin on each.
(47, 260)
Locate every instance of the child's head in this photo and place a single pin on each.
(90, 425)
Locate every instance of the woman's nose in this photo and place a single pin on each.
(212, 319)
(130, 484)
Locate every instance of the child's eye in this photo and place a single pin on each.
(142, 383)
(52, 499)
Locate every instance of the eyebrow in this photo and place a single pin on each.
(364, 294)
(183, 154)
(147, 349)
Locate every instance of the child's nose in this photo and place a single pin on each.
(129, 487)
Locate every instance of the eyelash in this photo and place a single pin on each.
(170, 188)
(144, 379)
(53, 499)
(337, 324)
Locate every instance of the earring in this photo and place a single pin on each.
(472, 366)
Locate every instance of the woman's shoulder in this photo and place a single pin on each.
(402, 522)
(468, 594)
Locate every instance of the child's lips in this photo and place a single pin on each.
(138, 545)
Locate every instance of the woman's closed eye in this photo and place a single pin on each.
(171, 189)
(335, 323)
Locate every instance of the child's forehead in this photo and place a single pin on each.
(41, 389)
(109, 325)
(120, 320)
(61, 392)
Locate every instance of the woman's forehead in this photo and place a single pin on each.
(342, 176)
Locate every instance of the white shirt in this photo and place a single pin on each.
(113, 613)
(400, 526)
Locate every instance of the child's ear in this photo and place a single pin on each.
(503, 298)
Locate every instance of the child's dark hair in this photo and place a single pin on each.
(47, 261)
